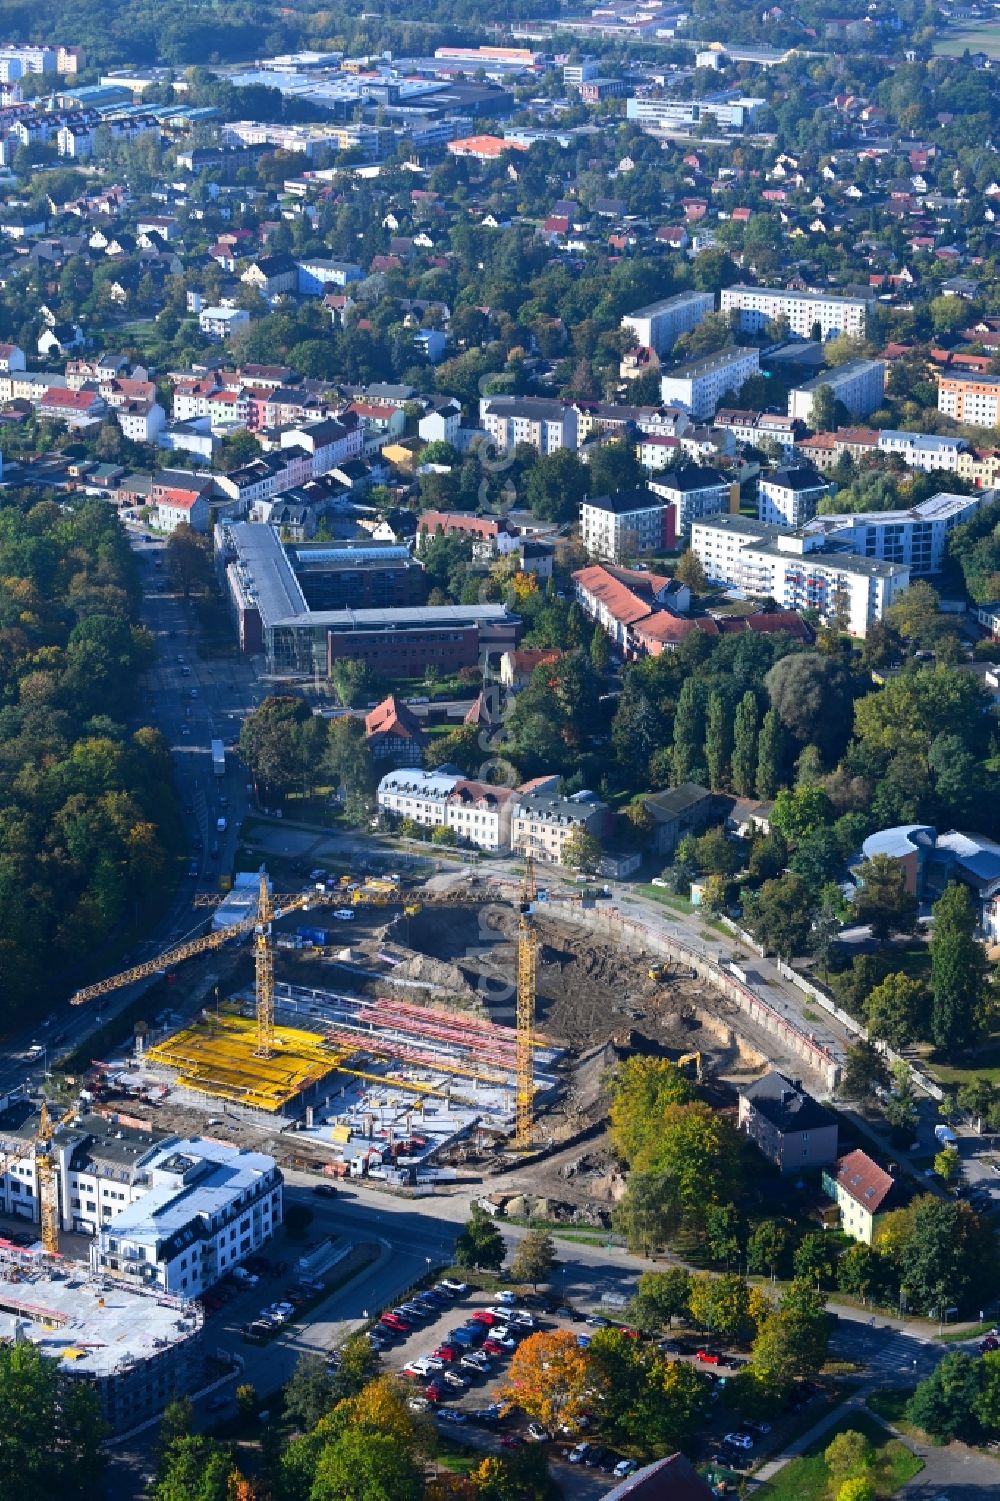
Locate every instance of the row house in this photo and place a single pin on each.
(617, 599)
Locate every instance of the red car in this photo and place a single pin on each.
(483, 1316)
(512, 1441)
(491, 1347)
(435, 1392)
(629, 1333)
(989, 1344)
(709, 1357)
(445, 1352)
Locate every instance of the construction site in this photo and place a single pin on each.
(134, 1348)
(428, 1033)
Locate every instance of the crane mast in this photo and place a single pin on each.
(527, 975)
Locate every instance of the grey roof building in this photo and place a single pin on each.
(787, 1125)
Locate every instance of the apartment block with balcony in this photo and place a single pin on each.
(973, 399)
(701, 384)
(758, 306)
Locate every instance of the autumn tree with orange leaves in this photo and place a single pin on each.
(548, 1379)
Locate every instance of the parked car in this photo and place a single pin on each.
(452, 1415)
(485, 1316)
(447, 1353)
(459, 1289)
(739, 1440)
(578, 1453)
(538, 1434)
(507, 1298)
(435, 1391)
(624, 1468)
(456, 1379)
(512, 1441)
(325, 1190)
(709, 1357)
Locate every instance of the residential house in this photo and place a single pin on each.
(863, 1192)
(547, 425)
(272, 275)
(543, 823)
(618, 599)
(173, 507)
(517, 667)
(75, 408)
(786, 1124)
(394, 734)
(695, 492)
(621, 527)
(677, 811)
(790, 496)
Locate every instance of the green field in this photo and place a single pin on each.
(808, 1479)
(980, 37)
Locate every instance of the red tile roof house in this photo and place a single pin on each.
(75, 408)
(863, 1192)
(394, 734)
(176, 506)
(619, 598)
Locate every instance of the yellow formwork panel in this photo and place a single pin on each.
(216, 1057)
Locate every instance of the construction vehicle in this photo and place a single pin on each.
(694, 1058)
(527, 976)
(658, 971)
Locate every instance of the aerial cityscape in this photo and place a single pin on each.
(500, 751)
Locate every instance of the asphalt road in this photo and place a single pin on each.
(192, 701)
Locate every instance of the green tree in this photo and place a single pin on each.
(661, 1297)
(724, 1231)
(51, 1426)
(812, 695)
(959, 1002)
(824, 415)
(770, 755)
(718, 739)
(641, 1091)
(555, 486)
(647, 1213)
(861, 1272)
(883, 901)
(613, 467)
(744, 757)
(848, 1455)
(780, 915)
(987, 1408)
(857, 1488)
(721, 1305)
(689, 570)
(689, 731)
(898, 1010)
(358, 1365)
(534, 1258)
(189, 559)
(947, 1165)
(480, 1243)
(582, 851)
(945, 1404)
(815, 1259)
(767, 1247)
(865, 1070)
(600, 650)
(194, 1468)
(310, 1392)
(366, 1466)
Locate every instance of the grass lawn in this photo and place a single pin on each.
(667, 898)
(890, 1404)
(985, 1064)
(808, 1479)
(958, 39)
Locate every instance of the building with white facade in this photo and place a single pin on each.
(543, 822)
(726, 112)
(220, 322)
(859, 384)
(916, 538)
(974, 399)
(141, 421)
(442, 422)
(789, 497)
(701, 384)
(545, 424)
(479, 813)
(629, 524)
(758, 306)
(801, 570)
(206, 1207)
(927, 451)
(694, 492)
(660, 323)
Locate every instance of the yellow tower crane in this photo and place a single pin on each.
(259, 924)
(45, 1174)
(527, 976)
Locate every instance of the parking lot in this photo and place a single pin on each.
(454, 1346)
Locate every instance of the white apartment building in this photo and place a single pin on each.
(626, 525)
(478, 812)
(859, 384)
(801, 570)
(701, 384)
(207, 1206)
(974, 399)
(758, 306)
(916, 538)
(926, 451)
(220, 322)
(694, 492)
(441, 423)
(141, 421)
(660, 323)
(790, 496)
(726, 112)
(547, 425)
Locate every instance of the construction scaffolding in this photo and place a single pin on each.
(220, 1057)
